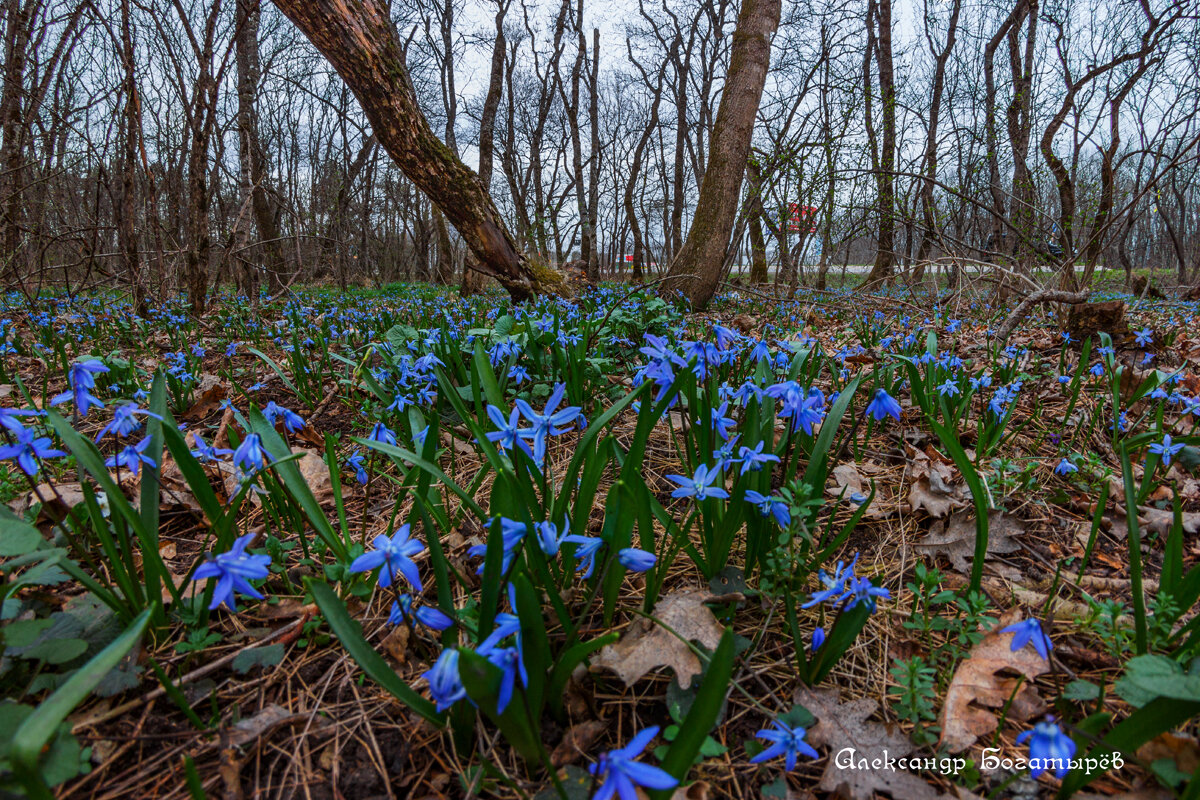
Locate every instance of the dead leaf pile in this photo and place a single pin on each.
(931, 481)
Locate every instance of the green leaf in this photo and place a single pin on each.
(373, 664)
(24, 632)
(37, 729)
(17, 537)
(703, 715)
(1082, 691)
(266, 656)
(56, 651)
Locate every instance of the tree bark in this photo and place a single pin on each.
(251, 156)
(358, 38)
(703, 252)
(885, 176)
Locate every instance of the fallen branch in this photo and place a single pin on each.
(1033, 299)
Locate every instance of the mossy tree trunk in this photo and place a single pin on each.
(358, 38)
(703, 253)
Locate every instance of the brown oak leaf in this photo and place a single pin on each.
(984, 683)
(955, 538)
(647, 646)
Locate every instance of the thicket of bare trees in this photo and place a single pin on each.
(178, 145)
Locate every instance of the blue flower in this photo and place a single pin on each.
(124, 421)
(28, 448)
(511, 534)
(250, 454)
(445, 686)
(1029, 632)
(428, 616)
(785, 741)
(1166, 449)
(861, 590)
(549, 537)
(635, 560)
(132, 457)
(753, 460)
(383, 434)
(883, 405)
(770, 505)
(585, 551)
(1049, 748)
(700, 486)
(818, 639)
(82, 378)
(509, 660)
(8, 418)
(721, 423)
(621, 775)
(549, 422)
(292, 421)
(360, 472)
(394, 554)
(509, 433)
(1065, 467)
(234, 570)
(1144, 337)
(949, 388)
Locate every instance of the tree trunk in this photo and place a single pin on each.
(252, 160)
(758, 246)
(358, 38)
(472, 283)
(729, 150)
(885, 178)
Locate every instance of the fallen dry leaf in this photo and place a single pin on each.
(979, 690)
(647, 646)
(955, 538)
(1158, 521)
(931, 484)
(206, 397)
(847, 731)
(576, 741)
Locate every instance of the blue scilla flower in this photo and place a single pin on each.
(383, 434)
(445, 686)
(392, 555)
(635, 560)
(82, 379)
(883, 405)
(511, 534)
(428, 616)
(1144, 337)
(1049, 748)
(512, 666)
(356, 461)
(861, 590)
(1029, 632)
(585, 552)
(548, 422)
(234, 570)
(752, 460)
(773, 506)
(124, 421)
(1065, 467)
(1166, 448)
(132, 457)
(621, 774)
(550, 537)
(250, 455)
(785, 741)
(508, 434)
(28, 449)
(292, 421)
(699, 486)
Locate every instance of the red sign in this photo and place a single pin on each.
(801, 218)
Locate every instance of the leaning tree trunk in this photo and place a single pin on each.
(703, 252)
(358, 38)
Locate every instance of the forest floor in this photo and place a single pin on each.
(951, 512)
